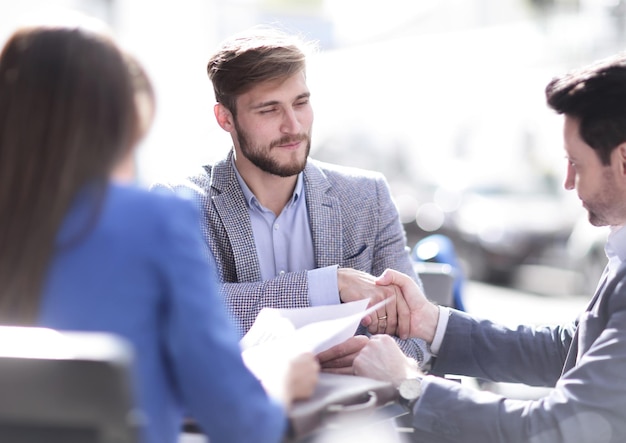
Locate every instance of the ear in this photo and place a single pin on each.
(224, 117)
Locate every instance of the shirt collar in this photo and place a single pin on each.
(616, 243)
(251, 199)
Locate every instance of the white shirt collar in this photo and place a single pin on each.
(615, 247)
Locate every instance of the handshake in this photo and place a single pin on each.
(407, 313)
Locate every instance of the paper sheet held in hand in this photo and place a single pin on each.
(297, 330)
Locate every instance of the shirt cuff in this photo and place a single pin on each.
(442, 324)
(323, 287)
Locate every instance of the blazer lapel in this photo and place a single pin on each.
(572, 353)
(230, 204)
(324, 216)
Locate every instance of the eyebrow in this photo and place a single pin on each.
(275, 102)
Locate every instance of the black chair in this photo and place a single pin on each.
(65, 387)
(438, 281)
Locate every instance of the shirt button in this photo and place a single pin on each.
(281, 272)
(276, 226)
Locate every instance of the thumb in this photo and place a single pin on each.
(386, 278)
(393, 277)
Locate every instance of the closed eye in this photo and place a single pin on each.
(570, 161)
(267, 110)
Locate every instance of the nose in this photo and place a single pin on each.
(290, 123)
(570, 178)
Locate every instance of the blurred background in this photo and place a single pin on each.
(444, 97)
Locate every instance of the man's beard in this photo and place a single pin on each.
(606, 208)
(260, 157)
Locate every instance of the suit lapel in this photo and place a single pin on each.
(324, 216)
(572, 353)
(230, 204)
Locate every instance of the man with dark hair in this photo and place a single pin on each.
(287, 231)
(584, 361)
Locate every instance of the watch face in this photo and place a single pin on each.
(410, 389)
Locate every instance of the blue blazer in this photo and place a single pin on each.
(140, 271)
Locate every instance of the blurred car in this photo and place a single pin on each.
(501, 206)
(499, 224)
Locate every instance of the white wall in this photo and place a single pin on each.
(174, 41)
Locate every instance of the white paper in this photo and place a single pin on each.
(313, 329)
(278, 335)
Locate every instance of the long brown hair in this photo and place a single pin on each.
(67, 115)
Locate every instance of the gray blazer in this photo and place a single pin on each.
(354, 224)
(584, 361)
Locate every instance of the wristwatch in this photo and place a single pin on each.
(410, 391)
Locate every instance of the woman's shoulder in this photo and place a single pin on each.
(139, 206)
(138, 199)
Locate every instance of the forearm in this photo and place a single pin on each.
(582, 408)
(480, 348)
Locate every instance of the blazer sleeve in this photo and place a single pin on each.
(480, 348)
(245, 300)
(587, 403)
(202, 345)
(390, 247)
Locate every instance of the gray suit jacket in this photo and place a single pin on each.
(354, 224)
(584, 361)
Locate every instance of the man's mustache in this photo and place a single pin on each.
(289, 139)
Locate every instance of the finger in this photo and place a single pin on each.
(366, 321)
(350, 346)
(376, 316)
(373, 327)
(373, 324)
(404, 317)
(392, 277)
(391, 311)
(385, 278)
(344, 371)
(381, 318)
(356, 343)
(380, 328)
(340, 362)
(411, 292)
(346, 358)
(329, 355)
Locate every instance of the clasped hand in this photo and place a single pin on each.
(408, 313)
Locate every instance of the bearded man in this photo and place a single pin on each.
(287, 231)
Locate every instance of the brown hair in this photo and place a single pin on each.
(252, 57)
(68, 114)
(596, 96)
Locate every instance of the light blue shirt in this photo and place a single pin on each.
(284, 243)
